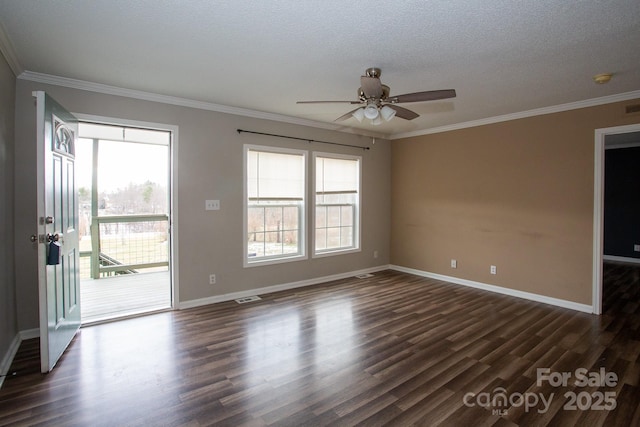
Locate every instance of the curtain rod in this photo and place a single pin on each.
(302, 139)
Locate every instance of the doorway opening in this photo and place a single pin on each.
(123, 176)
(608, 138)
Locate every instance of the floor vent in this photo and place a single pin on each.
(364, 276)
(632, 109)
(248, 299)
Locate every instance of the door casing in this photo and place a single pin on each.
(598, 209)
(173, 186)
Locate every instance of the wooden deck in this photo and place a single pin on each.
(125, 295)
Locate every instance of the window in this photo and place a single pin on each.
(337, 203)
(275, 207)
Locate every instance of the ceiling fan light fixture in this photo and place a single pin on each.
(387, 113)
(358, 114)
(371, 112)
(376, 104)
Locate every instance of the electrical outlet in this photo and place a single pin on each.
(493, 269)
(212, 279)
(454, 263)
(636, 248)
(212, 205)
(375, 254)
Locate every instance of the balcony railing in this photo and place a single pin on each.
(124, 244)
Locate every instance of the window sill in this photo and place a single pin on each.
(336, 252)
(270, 261)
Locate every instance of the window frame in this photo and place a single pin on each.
(357, 244)
(302, 220)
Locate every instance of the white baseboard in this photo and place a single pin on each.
(8, 358)
(29, 333)
(626, 260)
(498, 289)
(276, 288)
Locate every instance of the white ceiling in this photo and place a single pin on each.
(502, 56)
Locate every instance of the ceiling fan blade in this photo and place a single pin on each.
(403, 113)
(371, 87)
(329, 102)
(346, 116)
(430, 95)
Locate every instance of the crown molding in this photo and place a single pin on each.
(9, 53)
(209, 106)
(185, 102)
(523, 114)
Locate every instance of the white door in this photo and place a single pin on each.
(58, 251)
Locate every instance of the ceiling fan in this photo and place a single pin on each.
(378, 105)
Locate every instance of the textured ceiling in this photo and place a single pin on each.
(502, 56)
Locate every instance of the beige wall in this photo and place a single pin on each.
(8, 325)
(517, 194)
(209, 166)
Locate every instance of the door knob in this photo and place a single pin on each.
(46, 238)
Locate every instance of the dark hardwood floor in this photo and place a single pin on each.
(393, 349)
